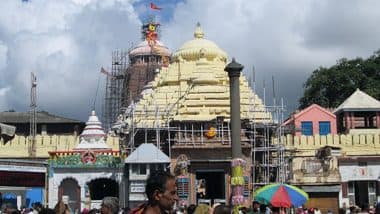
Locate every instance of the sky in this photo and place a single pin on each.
(66, 42)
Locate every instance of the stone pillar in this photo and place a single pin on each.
(347, 120)
(378, 120)
(238, 164)
(352, 119)
(234, 70)
(82, 194)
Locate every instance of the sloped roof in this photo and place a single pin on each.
(359, 101)
(147, 153)
(42, 117)
(313, 106)
(316, 106)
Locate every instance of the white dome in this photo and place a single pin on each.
(144, 49)
(199, 47)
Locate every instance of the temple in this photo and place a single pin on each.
(186, 114)
(83, 176)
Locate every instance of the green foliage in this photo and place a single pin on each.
(329, 87)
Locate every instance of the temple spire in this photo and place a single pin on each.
(93, 136)
(198, 33)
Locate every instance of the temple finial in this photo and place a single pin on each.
(198, 33)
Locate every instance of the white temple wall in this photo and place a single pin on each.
(82, 177)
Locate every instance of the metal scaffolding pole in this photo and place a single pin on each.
(33, 115)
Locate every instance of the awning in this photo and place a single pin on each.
(7, 132)
(324, 188)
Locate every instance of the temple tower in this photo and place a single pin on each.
(145, 61)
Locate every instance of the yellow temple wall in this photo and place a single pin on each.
(351, 145)
(19, 145)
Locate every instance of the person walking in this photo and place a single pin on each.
(110, 205)
(61, 208)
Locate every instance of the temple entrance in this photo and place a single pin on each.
(69, 192)
(103, 187)
(210, 186)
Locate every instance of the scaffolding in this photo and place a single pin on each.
(114, 86)
(270, 163)
(269, 160)
(33, 116)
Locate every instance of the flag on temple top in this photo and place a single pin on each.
(154, 7)
(102, 70)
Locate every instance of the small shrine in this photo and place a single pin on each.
(83, 176)
(139, 164)
(358, 114)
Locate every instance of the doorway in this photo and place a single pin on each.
(103, 187)
(210, 186)
(70, 189)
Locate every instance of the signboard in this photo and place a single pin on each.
(356, 173)
(137, 186)
(26, 179)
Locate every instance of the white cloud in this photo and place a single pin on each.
(3, 55)
(287, 39)
(3, 101)
(3, 91)
(66, 42)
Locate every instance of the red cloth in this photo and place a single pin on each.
(154, 7)
(139, 209)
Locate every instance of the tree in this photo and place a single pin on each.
(329, 87)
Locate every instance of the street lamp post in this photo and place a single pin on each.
(237, 165)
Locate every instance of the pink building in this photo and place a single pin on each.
(311, 121)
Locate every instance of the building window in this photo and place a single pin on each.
(139, 169)
(156, 167)
(351, 193)
(135, 168)
(324, 128)
(152, 167)
(372, 198)
(307, 128)
(142, 169)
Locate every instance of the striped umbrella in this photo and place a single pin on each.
(281, 195)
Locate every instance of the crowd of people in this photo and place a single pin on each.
(162, 197)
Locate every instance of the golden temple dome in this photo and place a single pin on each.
(199, 47)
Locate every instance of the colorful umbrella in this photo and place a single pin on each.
(281, 195)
